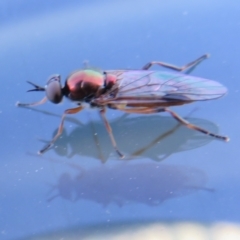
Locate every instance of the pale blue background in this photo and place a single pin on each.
(70, 186)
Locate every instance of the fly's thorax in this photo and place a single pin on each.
(83, 85)
(110, 80)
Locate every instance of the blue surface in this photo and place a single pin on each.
(81, 181)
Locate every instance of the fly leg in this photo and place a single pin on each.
(109, 130)
(36, 88)
(60, 128)
(145, 110)
(191, 126)
(18, 104)
(190, 65)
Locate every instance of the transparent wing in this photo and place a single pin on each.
(137, 85)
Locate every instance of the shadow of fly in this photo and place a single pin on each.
(131, 91)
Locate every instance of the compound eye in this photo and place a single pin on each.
(54, 89)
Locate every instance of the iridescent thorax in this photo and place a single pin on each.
(83, 84)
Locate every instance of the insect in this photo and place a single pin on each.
(132, 91)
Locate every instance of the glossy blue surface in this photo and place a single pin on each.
(80, 181)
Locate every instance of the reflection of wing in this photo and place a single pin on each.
(135, 85)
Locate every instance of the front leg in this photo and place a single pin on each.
(18, 104)
(60, 128)
(36, 88)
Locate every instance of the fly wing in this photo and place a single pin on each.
(169, 85)
(158, 87)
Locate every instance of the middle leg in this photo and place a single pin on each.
(109, 130)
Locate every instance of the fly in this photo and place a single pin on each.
(132, 91)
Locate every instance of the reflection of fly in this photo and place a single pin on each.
(132, 91)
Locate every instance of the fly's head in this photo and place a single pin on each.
(53, 89)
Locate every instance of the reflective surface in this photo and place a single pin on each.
(171, 173)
